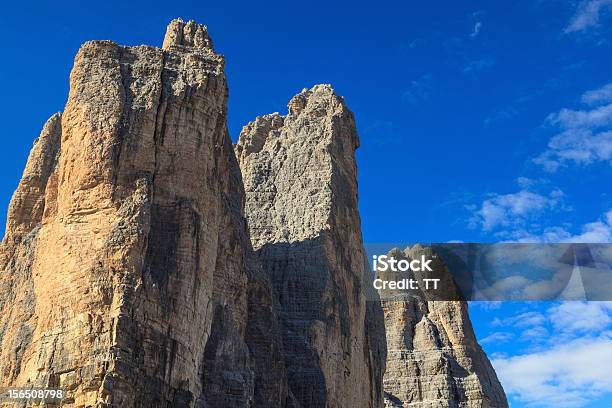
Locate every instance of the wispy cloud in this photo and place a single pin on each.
(568, 365)
(521, 321)
(514, 209)
(593, 232)
(419, 89)
(578, 318)
(599, 231)
(487, 305)
(478, 65)
(476, 29)
(477, 18)
(580, 119)
(536, 334)
(587, 15)
(576, 146)
(526, 182)
(568, 320)
(597, 96)
(501, 115)
(585, 134)
(497, 337)
(522, 216)
(567, 376)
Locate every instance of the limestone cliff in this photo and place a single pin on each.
(126, 274)
(141, 268)
(433, 358)
(300, 178)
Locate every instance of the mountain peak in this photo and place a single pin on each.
(187, 34)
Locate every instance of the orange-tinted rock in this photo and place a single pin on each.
(125, 275)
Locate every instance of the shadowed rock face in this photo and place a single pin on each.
(433, 358)
(125, 271)
(301, 204)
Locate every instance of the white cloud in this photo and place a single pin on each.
(516, 217)
(497, 338)
(521, 321)
(578, 146)
(570, 319)
(580, 317)
(478, 65)
(476, 30)
(511, 287)
(597, 96)
(595, 232)
(599, 231)
(566, 376)
(586, 135)
(537, 333)
(587, 15)
(568, 364)
(525, 182)
(577, 119)
(514, 209)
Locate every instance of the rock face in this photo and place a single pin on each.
(130, 278)
(127, 276)
(301, 204)
(433, 358)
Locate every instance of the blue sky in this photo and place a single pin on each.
(549, 354)
(479, 121)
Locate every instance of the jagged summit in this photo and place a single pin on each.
(300, 180)
(312, 105)
(187, 34)
(318, 94)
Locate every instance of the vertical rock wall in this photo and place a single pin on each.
(300, 178)
(125, 272)
(433, 358)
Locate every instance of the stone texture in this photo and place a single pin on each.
(433, 358)
(126, 275)
(300, 178)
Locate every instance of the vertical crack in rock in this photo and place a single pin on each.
(300, 178)
(433, 357)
